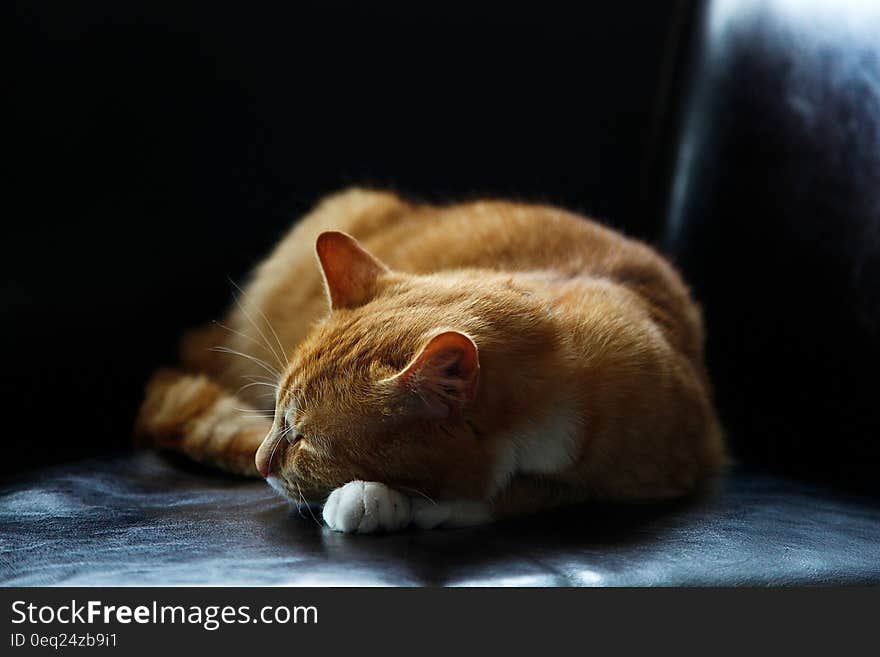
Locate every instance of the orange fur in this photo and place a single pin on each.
(569, 360)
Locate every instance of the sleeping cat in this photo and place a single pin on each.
(447, 366)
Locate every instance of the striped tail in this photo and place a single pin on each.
(192, 415)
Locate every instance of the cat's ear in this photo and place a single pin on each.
(350, 272)
(443, 377)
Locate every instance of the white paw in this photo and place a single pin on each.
(366, 507)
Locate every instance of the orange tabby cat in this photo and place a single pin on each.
(443, 366)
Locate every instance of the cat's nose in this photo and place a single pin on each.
(262, 466)
(268, 455)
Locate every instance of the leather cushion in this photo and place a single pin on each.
(143, 519)
(774, 218)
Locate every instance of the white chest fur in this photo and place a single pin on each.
(546, 446)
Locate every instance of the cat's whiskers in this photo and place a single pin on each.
(276, 374)
(238, 333)
(264, 344)
(307, 505)
(302, 498)
(265, 412)
(274, 448)
(260, 379)
(271, 394)
(258, 361)
(271, 328)
(258, 383)
(280, 356)
(415, 490)
(286, 434)
(299, 505)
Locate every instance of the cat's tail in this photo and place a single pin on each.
(190, 414)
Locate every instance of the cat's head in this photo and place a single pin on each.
(381, 389)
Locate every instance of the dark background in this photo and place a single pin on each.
(160, 148)
(153, 151)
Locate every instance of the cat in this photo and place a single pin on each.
(443, 366)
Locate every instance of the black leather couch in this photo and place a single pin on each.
(762, 161)
(141, 520)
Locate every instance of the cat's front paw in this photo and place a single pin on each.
(366, 507)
